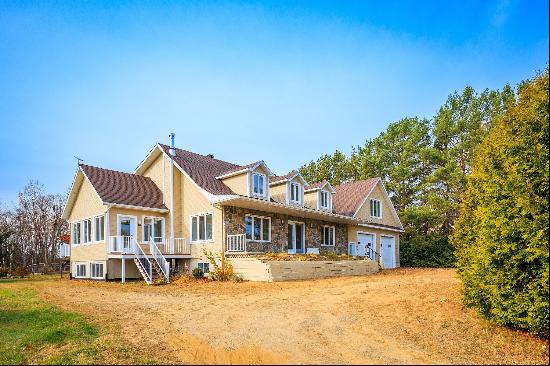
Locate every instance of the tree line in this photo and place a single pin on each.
(31, 230)
(470, 185)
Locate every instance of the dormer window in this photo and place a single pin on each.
(258, 184)
(295, 193)
(324, 200)
(375, 208)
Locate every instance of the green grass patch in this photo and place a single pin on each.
(33, 331)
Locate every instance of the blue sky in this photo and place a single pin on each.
(280, 81)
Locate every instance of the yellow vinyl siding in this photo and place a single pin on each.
(195, 202)
(278, 192)
(237, 184)
(87, 203)
(88, 252)
(310, 199)
(387, 216)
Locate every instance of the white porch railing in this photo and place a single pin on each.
(121, 244)
(179, 246)
(64, 250)
(236, 243)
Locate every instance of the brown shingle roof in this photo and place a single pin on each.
(203, 170)
(238, 167)
(314, 185)
(349, 196)
(124, 188)
(278, 178)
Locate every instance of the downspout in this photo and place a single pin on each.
(172, 154)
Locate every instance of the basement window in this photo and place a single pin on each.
(81, 270)
(204, 266)
(97, 270)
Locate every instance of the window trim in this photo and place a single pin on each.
(163, 228)
(265, 185)
(197, 215)
(79, 236)
(102, 270)
(333, 235)
(299, 193)
(204, 263)
(95, 231)
(261, 228)
(76, 275)
(329, 199)
(83, 231)
(371, 207)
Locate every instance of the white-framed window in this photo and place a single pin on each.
(295, 192)
(201, 227)
(97, 270)
(80, 270)
(76, 233)
(324, 199)
(205, 266)
(328, 235)
(257, 228)
(86, 231)
(375, 208)
(259, 184)
(99, 228)
(153, 229)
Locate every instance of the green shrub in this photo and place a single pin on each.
(223, 272)
(430, 250)
(197, 273)
(501, 235)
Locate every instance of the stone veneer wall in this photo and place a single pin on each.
(234, 224)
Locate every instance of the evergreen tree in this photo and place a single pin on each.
(502, 232)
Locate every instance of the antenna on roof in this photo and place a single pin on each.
(78, 160)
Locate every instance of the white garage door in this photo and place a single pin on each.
(365, 245)
(387, 251)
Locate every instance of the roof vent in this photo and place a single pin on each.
(210, 156)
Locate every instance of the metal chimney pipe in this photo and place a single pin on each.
(172, 146)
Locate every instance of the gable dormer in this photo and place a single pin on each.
(288, 189)
(251, 180)
(319, 196)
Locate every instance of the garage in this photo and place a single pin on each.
(387, 251)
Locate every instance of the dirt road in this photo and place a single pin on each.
(399, 316)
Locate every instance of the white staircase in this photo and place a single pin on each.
(154, 269)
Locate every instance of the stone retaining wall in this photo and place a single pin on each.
(253, 269)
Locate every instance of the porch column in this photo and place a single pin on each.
(123, 269)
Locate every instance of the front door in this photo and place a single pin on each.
(365, 245)
(387, 251)
(296, 237)
(126, 230)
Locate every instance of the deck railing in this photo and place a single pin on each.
(121, 244)
(236, 243)
(178, 246)
(64, 250)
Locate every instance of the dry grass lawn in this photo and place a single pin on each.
(394, 317)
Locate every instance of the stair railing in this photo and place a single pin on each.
(143, 262)
(163, 264)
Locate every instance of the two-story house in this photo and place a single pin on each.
(178, 203)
